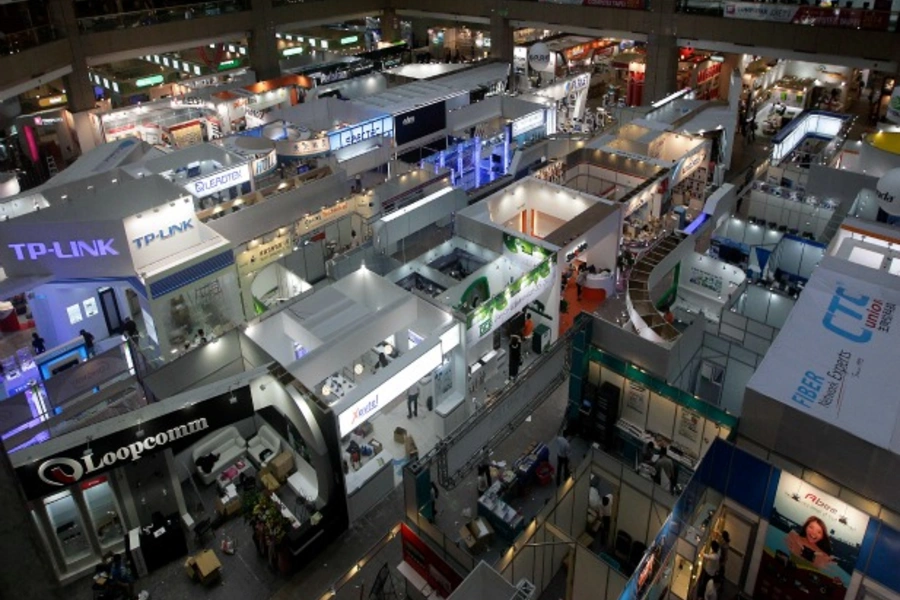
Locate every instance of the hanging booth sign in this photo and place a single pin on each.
(217, 182)
(420, 122)
(302, 147)
(539, 57)
(528, 122)
(173, 431)
(265, 164)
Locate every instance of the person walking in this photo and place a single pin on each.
(412, 401)
(563, 450)
(579, 282)
(515, 356)
(88, 342)
(484, 467)
(130, 328)
(37, 342)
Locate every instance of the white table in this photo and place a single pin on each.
(303, 487)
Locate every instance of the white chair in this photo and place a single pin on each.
(265, 439)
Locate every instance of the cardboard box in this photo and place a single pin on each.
(228, 505)
(412, 451)
(269, 481)
(189, 567)
(399, 435)
(482, 531)
(281, 465)
(469, 540)
(585, 539)
(376, 447)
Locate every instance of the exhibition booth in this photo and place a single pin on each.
(145, 257)
(355, 135)
(420, 110)
(483, 139)
(566, 101)
(209, 172)
(814, 137)
(358, 346)
(582, 230)
(151, 479)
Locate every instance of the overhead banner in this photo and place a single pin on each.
(174, 431)
(835, 357)
(812, 544)
(849, 18)
(635, 4)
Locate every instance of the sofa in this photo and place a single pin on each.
(227, 443)
(265, 439)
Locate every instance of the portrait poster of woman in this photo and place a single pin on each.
(812, 544)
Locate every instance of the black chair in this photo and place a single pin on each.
(637, 553)
(202, 528)
(622, 548)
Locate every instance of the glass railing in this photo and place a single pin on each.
(795, 13)
(12, 43)
(167, 14)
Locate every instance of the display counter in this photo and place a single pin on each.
(369, 484)
(506, 521)
(633, 441)
(452, 413)
(599, 286)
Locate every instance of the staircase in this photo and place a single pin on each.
(639, 289)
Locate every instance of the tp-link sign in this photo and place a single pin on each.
(217, 182)
(163, 233)
(70, 249)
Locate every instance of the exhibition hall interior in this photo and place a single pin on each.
(507, 299)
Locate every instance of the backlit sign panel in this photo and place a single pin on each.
(217, 182)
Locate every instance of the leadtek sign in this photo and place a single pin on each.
(217, 182)
(70, 249)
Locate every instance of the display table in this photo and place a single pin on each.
(232, 474)
(599, 286)
(506, 521)
(302, 486)
(525, 466)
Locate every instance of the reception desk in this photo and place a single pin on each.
(599, 286)
(369, 484)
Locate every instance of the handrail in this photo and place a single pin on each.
(155, 16)
(12, 43)
(794, 14)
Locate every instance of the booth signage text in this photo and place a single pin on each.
(163, 233)
(148, 81)
(72, 249)
(174, 431)
(66, 471)
(217, 182)
(528, 122)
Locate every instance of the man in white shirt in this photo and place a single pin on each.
(710, 567)
(606, 507)
(412, 401)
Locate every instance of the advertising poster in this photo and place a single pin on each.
(812, 544)
(847, 18)
(636, 400)
(893, 111)
(706, 280)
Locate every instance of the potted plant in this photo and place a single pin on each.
(269, 530)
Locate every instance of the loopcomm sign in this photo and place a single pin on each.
(174, 431)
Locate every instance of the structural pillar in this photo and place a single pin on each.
(79, 91)
(502, 44)
(264, 54)
(390, 26)
(27, 567)
(661, 74)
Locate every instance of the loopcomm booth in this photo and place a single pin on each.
(206, 434)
